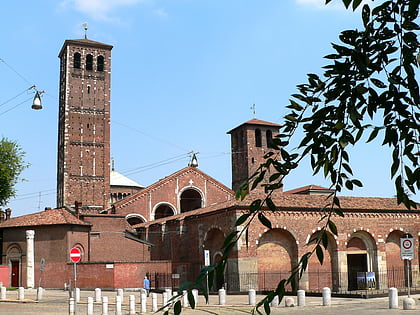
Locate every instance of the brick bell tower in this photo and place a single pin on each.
(249, 143)
(83, 163)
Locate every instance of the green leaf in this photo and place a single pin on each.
(242, 219)
(177, 308)
(333, 227)
(270, 204)
(319, 254)
(263, 219)
(191, 299)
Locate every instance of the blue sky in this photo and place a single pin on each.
(184, 72)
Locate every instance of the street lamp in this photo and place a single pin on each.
(37, 104)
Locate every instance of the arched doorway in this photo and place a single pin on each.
(213, 242)
(190, 200)
(325, 274)
(361, 261)
(14, 258)
(277, 256)
(396, 271)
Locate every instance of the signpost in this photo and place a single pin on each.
(75, 256)
(207, 263)
(407, 254)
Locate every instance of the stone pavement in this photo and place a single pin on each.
(56, 302)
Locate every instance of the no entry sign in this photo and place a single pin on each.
(75, 255)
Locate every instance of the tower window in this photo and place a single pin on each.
(76, 60)
(89, 62)
(258, 138)
(269, 136)
(100, 63)
(88, 89)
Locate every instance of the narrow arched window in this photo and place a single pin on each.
(258, 138)
(100, 63)
(89, 62)
(76, 60)
(269, 136)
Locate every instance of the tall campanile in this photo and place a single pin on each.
(83, 163)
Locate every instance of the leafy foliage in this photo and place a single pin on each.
(368, 89)
(11, 166)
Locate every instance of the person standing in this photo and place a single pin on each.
(146, 285)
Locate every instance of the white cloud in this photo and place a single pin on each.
(161, 12)
(98, 9)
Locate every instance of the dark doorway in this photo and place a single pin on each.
(355, 263)
(15, 273)
(190, 200)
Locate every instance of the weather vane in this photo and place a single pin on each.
(85, 26)
(254, 111)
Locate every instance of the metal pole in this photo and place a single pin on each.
(75, 286)
(408, 274)
(207, 286)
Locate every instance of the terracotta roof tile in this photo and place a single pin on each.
(47, 217)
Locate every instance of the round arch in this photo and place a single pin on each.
(394, 264)
(277, 255)
(14, 259)
(191, 198)
(213, 241)
(135, 218)
(163, 210)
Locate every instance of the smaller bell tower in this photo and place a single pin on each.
(250, 141)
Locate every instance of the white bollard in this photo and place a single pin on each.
(409, 304)
(251, 297)
(154, 302)
(71, 306)
(326, 296)
(120, 292)
(21, 293)
(98, 298)
(90, 306)
(143, 301)
(393, 298)
(301, 298)
(168, 292)
(118, 305)
(77, 295)
(185, 302)
(104, 305)
(3, 291)
(222, 296)
(164, 300)
(39, 293)
(275, 301)
(132, 299)
(195, 294)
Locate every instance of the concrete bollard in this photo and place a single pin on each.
(118, 305)
(165, 300)
(120, 292)
(104, 305)
(275, 302)
(409, 304)
(252, 297)
(90, 306)
(3, 293)
(71, 306)
(393, 298)
(222, 296)
(77, 295)
(39, 293)
(143, 301)
(168, 292)
(21, 293)
(326, 296)
(98, 298)
(132, 304)
(289, 302)
(185, 299)
(154, 302)
(301, 298)
(195, 294)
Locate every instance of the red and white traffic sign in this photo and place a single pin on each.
(75, 255)
(407, 248)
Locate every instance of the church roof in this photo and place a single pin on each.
(257, 122)
(291, 202)
(117, 179)
(47, 217)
